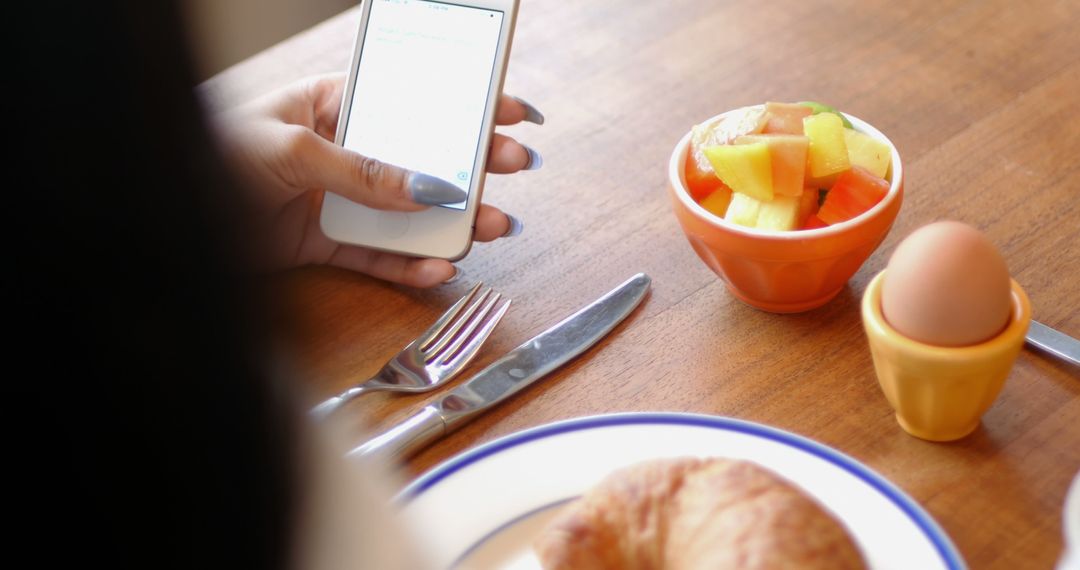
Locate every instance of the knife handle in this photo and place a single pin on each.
(407, 437)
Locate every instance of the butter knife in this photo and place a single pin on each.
(1054, 342)
(510, 374)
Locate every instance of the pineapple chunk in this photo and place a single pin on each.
(743, 210)
(867, 152)
(781, 213)
(745, 168)
(717, 202)
(828, 153)
(824, 183)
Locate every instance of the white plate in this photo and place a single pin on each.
(1070, 522)
(482, 508)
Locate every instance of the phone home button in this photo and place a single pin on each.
(393, 224)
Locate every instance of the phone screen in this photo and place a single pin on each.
(422, 87)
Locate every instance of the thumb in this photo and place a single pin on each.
(319, 163)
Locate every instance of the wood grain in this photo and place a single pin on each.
(980, 98)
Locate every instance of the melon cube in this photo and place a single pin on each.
(785, 118)
(808, 204)
(828, 152)
(745, 168)
(788, 156)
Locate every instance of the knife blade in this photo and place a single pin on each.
(512, 373)
(1054, 342)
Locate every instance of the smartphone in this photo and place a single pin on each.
(423, 85)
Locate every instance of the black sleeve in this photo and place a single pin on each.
(149, 422)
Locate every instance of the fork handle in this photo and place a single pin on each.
(407, 437)
(331, 405)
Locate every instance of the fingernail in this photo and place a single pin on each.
(535, 160)
(532, 114)
(515, 226)
(431, 191)
(458, 274)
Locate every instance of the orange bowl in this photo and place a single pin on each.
(784, 272)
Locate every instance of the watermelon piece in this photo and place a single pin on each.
(855, 192)
(813, 223)
(701, 181)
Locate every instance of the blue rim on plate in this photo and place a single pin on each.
(907, 505)
(468, 551)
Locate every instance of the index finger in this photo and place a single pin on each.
(513, 110)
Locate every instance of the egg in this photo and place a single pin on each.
(947, 285)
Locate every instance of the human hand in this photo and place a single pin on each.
(283, 143)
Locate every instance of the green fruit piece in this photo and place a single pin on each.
(823, 108)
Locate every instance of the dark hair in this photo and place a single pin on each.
(150, 427)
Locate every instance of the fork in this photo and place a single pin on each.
(437, 355)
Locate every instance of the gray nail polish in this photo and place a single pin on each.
(532, 114)
(535, 160)
(458, 274)
(515, 226)
(431, 191)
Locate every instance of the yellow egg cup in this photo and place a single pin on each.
(940, 393)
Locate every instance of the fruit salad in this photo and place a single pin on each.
(786, 166)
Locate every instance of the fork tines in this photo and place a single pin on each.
(460, 332)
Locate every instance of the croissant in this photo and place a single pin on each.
(688, 513)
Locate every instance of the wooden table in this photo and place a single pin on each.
(983, 101)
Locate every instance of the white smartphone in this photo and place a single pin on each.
(423, 86)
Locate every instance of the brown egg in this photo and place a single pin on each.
(947, 285)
